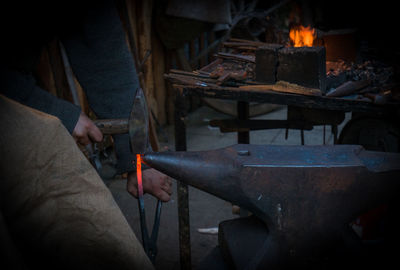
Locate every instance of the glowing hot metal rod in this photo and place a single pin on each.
(304, 194)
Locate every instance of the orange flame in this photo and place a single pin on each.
(302, 36)
(139, 174)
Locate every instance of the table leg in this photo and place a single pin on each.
(182, 189)
(244, 136)
(243, 114)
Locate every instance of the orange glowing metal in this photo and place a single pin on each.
(139, 174)
(302, 36)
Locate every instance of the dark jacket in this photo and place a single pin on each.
(95, 43)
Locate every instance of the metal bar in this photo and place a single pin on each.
(182, 188)
(143, 225)
(152, 244)
(235, 125)
(297, 166)
(335, 132)
(156, 225)
(243, 114)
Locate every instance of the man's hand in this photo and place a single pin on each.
(86, 131)
(154, 182)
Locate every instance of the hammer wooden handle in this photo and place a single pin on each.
(112, 126)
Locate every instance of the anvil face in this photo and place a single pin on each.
(304, 194)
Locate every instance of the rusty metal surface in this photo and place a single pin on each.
(304, 194)
(182, 188)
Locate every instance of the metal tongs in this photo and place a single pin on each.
(139, 139)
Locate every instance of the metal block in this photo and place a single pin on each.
(304, 66)
(267, 63)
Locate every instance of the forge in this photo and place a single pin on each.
(324, 61)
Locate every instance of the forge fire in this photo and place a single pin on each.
(302, 36)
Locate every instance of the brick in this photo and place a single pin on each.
(267, 63)
(304, 66)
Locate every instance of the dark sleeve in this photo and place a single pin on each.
(21, 87)
(104, 66)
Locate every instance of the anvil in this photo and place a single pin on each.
(305, 195)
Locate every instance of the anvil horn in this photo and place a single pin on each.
(206, 170)
(304, 194)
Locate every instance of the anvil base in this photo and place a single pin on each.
(241, 243)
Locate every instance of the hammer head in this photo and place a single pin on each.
(138, 126)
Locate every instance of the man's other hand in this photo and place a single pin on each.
(86, 131)
(154, 182)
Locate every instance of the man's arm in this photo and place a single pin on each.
(104, 66)
(22, 87)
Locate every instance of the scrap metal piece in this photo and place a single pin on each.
(304, 194)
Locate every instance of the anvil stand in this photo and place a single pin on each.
(243, 113)
(182, 189)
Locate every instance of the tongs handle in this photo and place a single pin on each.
(149, 242)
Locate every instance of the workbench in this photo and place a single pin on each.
(243, 98)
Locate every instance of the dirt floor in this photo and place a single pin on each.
(206, 211)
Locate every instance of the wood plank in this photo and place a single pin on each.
(284, 87)
(160, 90)
(192, 54)
(57, 67)
(45, 73)
(139, 14)
(112, 126)
(210, 40)
(203, 60)
(237, 57)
